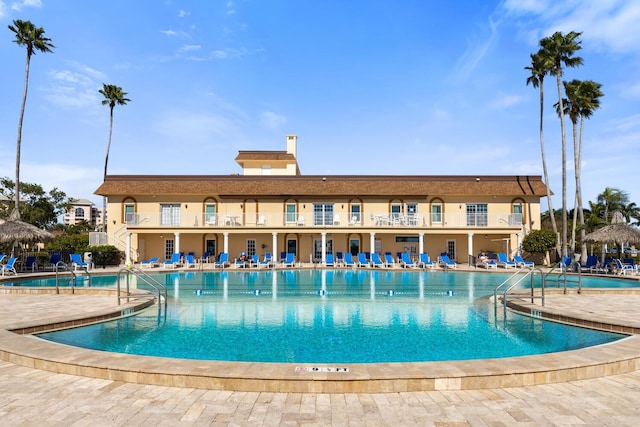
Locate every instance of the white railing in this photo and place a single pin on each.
(372, 220)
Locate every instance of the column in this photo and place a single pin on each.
(274, 245)
(176, 248)
(225, 244)
(420, 243)
(127, 261)
(372, 242)
(324, 247)
(470, 246)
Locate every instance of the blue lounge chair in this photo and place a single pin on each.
(388, 260)
(241, 261)
(348, 260)
(77, 262)
(151, 262)
(445, 261)
(205, 257)
(425, 262)
(10, 266)
(289, 260)
(622, 268)
(267, 261)
(591, 264)
(504, 262)
(376, 261)
(254, 261)
(405, 260)
(54, 259)
(362, 260)
(223, 260)
(31, 263)
(2, 257)
(173, 262)
(328, 262)
(190, 261)
(520, 262)
(566, 262)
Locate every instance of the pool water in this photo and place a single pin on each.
(327, 316)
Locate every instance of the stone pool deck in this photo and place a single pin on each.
(48, 384)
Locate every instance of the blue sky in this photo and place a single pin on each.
(370, 87)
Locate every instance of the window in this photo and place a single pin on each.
(355, 214)
(210, 246)
(396, 213)
(290, 209)
(251, 247)
(292, 247)
(516, 214)
(322, 214)
(407, 239)
(130, 216)
(79, 213)
(317, 249)
(477, 215)
(354, 246)
(210, 214)
(451, 249)
(169, 247)
(170, 215)
(412, 214)
(436, 214)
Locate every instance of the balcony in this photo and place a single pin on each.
(311, 220)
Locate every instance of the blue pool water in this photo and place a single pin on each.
(327, 316)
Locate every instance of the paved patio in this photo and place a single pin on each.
(40, 397)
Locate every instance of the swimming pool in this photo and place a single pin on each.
(327, 316)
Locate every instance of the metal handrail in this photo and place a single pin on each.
(65, 267)
(563, 277)
(147, 279)
(520, 278)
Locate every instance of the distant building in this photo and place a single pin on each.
(83, 210)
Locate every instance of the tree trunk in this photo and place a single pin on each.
(564, 165)
(552, 216)
(19, 142)
(106, 162)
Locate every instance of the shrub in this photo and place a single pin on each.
(105, 255)
(539, 241)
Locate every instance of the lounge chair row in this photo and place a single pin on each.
(376, 261)
(31, 263)
(501, 260)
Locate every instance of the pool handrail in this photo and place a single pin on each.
(61, 265)
(530, 272)
(147, 279)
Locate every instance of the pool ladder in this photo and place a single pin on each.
(145, 279)
(61, 266)
(563, 278)
(511, 282)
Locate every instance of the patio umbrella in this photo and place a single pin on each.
(14, 230)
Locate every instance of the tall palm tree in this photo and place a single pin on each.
(560, 48)
(611, 200)
(587, 100)
(113, 95)
(540, 67)
(32, 37)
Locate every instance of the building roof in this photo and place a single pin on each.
(265, 155)
(243, 186)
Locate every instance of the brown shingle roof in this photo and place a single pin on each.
(318, 185)
(264, 155)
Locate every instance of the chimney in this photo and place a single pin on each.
(292, 145)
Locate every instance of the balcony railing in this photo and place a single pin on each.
(311, 220)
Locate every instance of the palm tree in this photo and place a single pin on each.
(26, 34)
(611, 199)
(540, 67)
(113, 95)
(559, 49)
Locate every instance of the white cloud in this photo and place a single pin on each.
(505, 101)
(272, 120)
(75, 89)
(476, 51)
(3, 9)
(182, 13)
(190, 47)
(17, 6)
(610, 25)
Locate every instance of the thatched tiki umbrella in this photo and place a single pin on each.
(617, 232)
(14, 230)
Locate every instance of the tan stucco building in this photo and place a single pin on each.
(272, 207)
